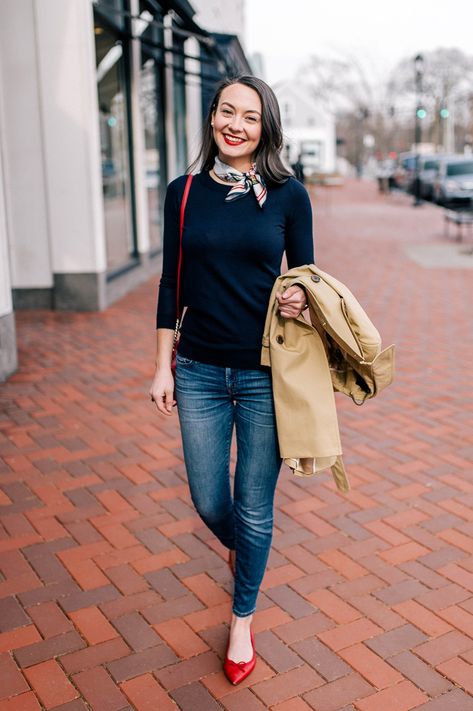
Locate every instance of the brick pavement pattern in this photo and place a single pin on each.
(114, 596)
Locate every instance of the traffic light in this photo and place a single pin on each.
(421, 113)
(444, 113)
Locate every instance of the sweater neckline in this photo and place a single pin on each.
(209, 182)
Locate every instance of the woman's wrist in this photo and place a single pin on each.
(161, 367)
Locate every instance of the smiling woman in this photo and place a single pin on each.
(237, 125)
(243, 211)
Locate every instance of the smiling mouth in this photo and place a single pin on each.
(233, 140)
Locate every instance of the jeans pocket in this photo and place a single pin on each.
(183, 361)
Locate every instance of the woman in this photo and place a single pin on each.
(243, 212)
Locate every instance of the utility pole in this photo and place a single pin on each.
(449, 130)
(420, 114)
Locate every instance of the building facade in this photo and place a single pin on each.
(309, 129)
(101, 105)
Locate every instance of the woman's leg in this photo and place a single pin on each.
(257, 470)
(258, 465)
(205, 411)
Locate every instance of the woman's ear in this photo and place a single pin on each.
(212, 113)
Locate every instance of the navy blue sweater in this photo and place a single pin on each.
(232, 254)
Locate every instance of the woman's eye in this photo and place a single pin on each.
(226, 112)
(252, 119)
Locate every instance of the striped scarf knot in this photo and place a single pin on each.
(244, 182)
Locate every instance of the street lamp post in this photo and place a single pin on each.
(420, 113)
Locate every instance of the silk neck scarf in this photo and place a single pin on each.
(244, 182)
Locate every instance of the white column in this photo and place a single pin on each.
(69, 108)
(141, 195)
(53, 164)
(8, 356)
(193, 100)
(22, 130)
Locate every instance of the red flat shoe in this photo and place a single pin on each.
(237, 671)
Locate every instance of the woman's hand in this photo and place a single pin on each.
(292, 302)
(161, 391)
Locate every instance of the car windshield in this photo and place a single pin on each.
(409, 163)
(465, 168)
(431, 165)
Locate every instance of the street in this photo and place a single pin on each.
(115, 596)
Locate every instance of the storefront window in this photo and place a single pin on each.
(112, 74)
(113, 10)
(152, 110)
(180, 107)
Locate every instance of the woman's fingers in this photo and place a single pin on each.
(164, 400)
(291, 302)
(298, 298)
(169, 401)
(290, 314)
(163, 407)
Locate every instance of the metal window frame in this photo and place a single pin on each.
(162, 143)
(124, 36)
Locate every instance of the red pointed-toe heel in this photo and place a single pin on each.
(237, 671)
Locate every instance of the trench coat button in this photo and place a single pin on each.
(315, 278)
(279, 339)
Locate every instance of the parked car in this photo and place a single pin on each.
(454, 181)
(428, 168)
(405, 171)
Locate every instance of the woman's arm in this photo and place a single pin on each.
(162, 387)
(299, 237)
(299, 248)
(167, 306)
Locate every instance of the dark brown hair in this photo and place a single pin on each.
(267, 155)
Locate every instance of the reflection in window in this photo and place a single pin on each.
(154, 173)
(113, 9)
(152, 112)
(113, 116)
(180, 107)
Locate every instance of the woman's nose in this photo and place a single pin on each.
(235, 123)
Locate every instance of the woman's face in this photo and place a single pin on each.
(237, 125)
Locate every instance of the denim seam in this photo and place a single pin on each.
(228, 445)
(243, 614)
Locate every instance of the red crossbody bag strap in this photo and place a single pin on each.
(181, 230)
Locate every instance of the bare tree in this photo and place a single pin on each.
(339, 82)
(385, 108)
(447, 88)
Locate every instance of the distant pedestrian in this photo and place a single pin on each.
(298, 168)
(244, 210)
(384, 175)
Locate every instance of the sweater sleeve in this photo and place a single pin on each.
(166, 310)
(299, 232)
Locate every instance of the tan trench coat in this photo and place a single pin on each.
(340, 349)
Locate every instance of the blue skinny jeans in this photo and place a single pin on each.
(211, 401)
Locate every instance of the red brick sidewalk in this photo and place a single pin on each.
(113, 595)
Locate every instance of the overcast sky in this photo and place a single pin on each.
(377, 32)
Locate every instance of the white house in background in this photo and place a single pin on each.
(218, 16)
(309, 129)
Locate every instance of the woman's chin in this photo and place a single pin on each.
(232, 155)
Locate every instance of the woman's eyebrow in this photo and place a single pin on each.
(247, 111)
